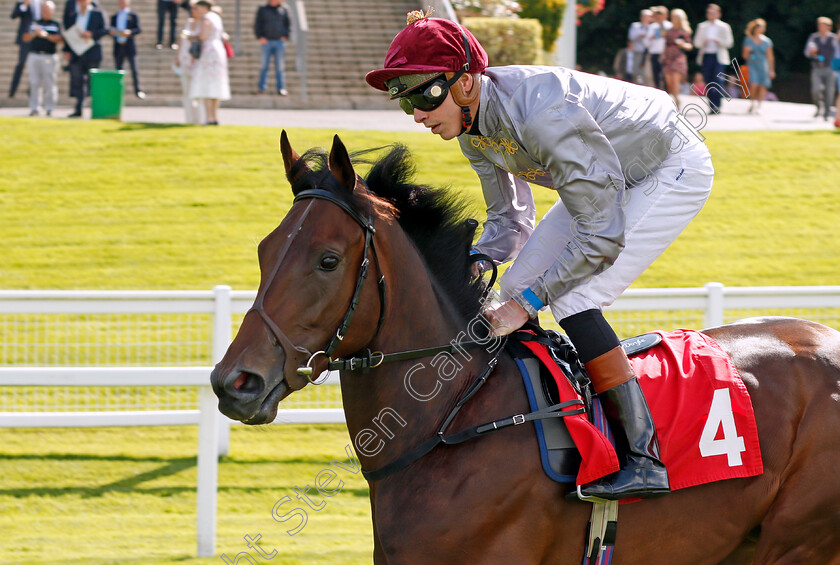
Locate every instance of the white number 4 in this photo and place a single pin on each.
(720, 415)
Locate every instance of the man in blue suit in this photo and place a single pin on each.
(92, 22)
(125, 24)
(27, 11)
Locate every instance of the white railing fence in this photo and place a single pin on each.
(143, 358)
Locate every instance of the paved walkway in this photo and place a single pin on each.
(735, 117)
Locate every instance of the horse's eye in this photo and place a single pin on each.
(328, 263)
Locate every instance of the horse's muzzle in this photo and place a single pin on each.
(247, 395)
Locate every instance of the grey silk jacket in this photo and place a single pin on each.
(585, 136)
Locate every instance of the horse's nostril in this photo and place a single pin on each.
(248, 383)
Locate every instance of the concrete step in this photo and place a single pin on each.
(347, 38)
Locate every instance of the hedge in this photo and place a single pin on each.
(508, 41)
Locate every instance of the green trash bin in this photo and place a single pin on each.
(106, 94)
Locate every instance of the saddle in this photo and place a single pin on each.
(540, 354)
(703, 413)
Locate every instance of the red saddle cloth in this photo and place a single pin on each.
(702, 410)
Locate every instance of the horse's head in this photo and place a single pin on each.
(313, 269)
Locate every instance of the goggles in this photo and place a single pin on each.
(422, 92)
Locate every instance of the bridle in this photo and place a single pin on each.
(370, 359)
(283, 340)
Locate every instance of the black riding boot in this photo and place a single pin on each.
(642, 474)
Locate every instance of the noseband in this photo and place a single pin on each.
(283, 340)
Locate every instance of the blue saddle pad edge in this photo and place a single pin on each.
(532, 401)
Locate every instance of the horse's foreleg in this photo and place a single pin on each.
(743, 554)
(378, 554)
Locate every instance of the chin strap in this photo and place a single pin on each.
(466, 119)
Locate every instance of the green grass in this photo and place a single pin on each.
(112, 495)
(130, 206)
(105, 205)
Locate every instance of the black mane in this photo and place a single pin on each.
(436, 220)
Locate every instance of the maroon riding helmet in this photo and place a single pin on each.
(427, 53)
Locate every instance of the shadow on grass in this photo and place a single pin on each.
(124, 486)
(84, 457)
(133, 483)
(128, 484)
(140, 126)
(324, 462)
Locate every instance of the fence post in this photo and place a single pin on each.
(714, 304)
(222, 324)
(208, 472)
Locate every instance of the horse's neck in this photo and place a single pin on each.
(396, 406)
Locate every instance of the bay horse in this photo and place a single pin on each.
(488, 501)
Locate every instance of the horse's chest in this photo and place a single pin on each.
(468, 513)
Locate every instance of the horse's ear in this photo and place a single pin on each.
(340, 165)
(290, 159)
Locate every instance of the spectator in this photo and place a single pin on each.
(167, 8)
(210, 73)
(758, 51)
(86, 25)
(657, 31)
(183, 66)
(272, 26)
(677, 43)
(623, 64)
(577, 134)
(821, 48)
(713, 40)
(636, 37)
(27, 11)
(125, 24)
(42, 61)
(72, 6)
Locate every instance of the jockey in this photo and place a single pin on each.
(629, 176)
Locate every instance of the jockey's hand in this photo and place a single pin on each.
(506, 318)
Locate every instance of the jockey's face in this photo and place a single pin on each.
(446, 119)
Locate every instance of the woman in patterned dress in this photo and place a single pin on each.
(210, 73)
(677, 43)
(758, 51)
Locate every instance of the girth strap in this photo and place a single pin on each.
(554, 411)
(603, 527)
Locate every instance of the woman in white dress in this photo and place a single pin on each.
(210, 73)
(183, 67)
